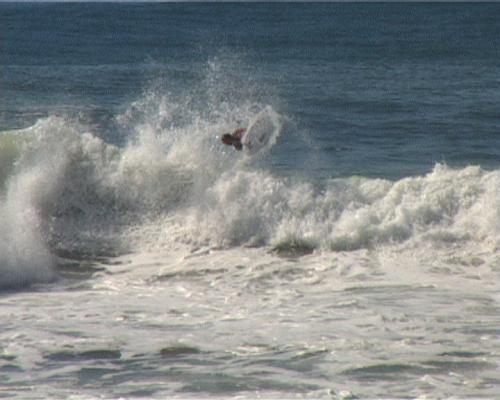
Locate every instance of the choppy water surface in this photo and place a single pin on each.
(356, 258)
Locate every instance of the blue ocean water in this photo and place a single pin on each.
(356, 257)
(378, 89)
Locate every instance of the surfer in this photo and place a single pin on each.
(234, 139)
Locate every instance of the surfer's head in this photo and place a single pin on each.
(227, 138)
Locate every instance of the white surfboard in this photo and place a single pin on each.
(262, 132)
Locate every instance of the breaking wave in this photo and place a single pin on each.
(66, 192)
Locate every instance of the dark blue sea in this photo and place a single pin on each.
(356, 256)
